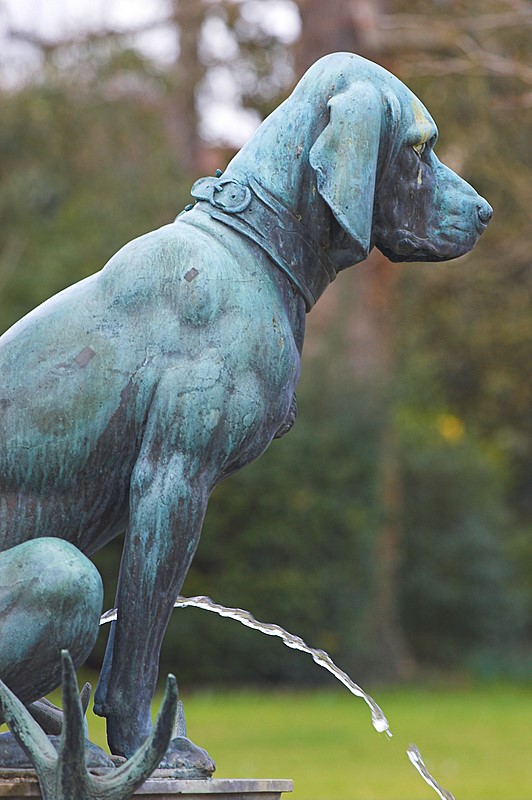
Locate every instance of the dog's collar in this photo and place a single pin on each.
(254, 212)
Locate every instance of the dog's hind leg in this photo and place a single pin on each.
(50, 599)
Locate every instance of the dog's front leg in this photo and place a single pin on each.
(167, 506)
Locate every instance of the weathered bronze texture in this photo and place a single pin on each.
(128, 397)
(63, 773)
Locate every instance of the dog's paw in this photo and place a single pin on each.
(187, 760)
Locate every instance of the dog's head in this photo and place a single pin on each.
(376, 168)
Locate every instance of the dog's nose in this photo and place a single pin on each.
(485, 212)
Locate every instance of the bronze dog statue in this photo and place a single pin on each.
(128, 397)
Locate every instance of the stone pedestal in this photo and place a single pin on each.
(22, 783)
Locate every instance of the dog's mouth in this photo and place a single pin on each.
(408, 247)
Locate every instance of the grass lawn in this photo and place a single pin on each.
(475, 739)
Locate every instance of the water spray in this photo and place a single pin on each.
(320, 657)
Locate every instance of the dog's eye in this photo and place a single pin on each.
(420, 148)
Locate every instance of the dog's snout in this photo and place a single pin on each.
(485, 212)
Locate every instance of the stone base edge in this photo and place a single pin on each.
(18, 784)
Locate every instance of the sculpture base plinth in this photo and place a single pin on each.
(23, 783)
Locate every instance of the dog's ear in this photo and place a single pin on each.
(345, 157)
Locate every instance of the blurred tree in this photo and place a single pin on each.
(475, 330)
(85, 168)
(383, 319)
(399, 505)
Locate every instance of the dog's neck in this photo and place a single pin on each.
(247, 207)
(277, 155)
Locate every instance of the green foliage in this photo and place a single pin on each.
(85, 167)
(90, 160)
(457, 593)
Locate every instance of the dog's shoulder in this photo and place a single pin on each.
(151, 258)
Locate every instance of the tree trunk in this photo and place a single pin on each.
(182, 116)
